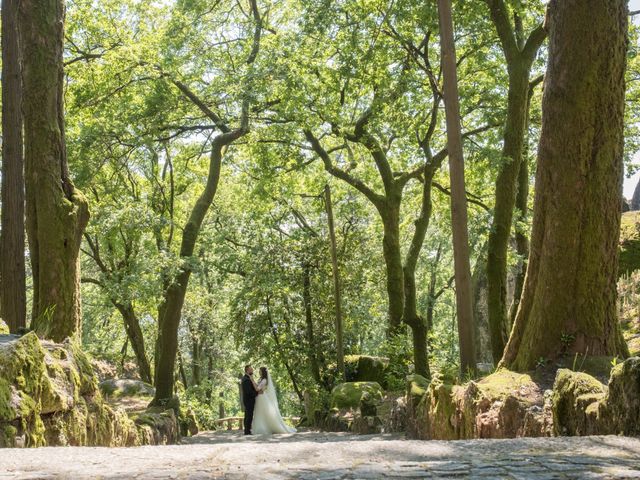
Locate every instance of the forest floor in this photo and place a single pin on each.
(313, 455)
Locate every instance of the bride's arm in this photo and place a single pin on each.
(255, 385)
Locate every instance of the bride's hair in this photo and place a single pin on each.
(264, 374)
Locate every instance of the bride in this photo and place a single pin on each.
(266, 417)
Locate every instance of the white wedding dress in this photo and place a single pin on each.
(266, 416)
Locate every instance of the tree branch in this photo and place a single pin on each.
(531, 47)
(215, 118)
(470, 197)
(500, 17)
(359, 185)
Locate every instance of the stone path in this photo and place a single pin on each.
(326, 456)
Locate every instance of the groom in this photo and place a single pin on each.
(249, 394)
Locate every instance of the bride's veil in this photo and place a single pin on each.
(270, 392)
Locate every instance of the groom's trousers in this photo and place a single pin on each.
(249, 405)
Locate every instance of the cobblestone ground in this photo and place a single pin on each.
(327, 456)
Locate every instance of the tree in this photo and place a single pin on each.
(57, 212)
(13, 301)
(568, 304)
(519, 53)
(337, 294)
(173, 298)
(459, 228)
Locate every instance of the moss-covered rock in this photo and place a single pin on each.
(436, 417)
(584, 406)
(4, 329)
(621, 405)
(49, 396)
(364, 368)
(348, 395)
(417, 387)
(575, 401)
(502, 405)
(125, 387)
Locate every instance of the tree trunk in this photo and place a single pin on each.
(13, 300)
(506, 188)
(418, 324)
(182, 371)
(57, 212)
(519, 53)
(570, 288)
(337, 293)
(390, 214)
(459, 227)
(282, 354)
(136, 338)
(312, 348)
(522, 207)
(171, 308)
(196, 349)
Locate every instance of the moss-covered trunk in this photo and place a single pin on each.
(312, 348)
(569, 298)
(519, 53)
(57, 212)
(13, 301)
(506, 188)
(390, 214)
(418, 324)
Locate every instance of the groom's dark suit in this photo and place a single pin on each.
(249, 395)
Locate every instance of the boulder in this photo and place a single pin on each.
(397, 420)
(348, 395)
(584, 406)
(417, 387)
(371, 369)
(4, 328)
(126, 387)
(366, 425)
(575, 403)
(621, 405)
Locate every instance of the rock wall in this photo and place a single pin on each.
(502, 405)
(49, 396)
(506, 404)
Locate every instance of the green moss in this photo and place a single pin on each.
(575, 403)
(622, 402)
(4, 329)
(348, 395)
(87, 378)
(416, 388)
(502, 383)
(436, 411)
(49, 396)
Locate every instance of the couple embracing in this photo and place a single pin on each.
(261, 411)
